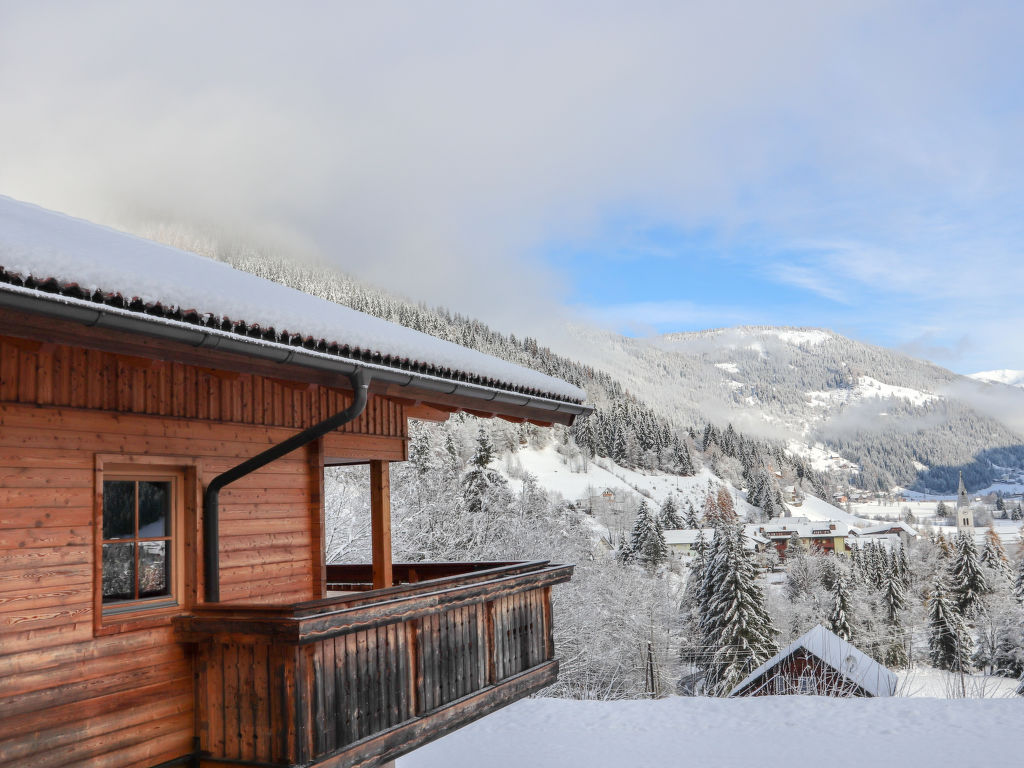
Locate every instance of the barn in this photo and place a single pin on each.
(165, 422)
(819, 663)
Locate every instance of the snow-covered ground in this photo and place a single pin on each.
(869, 388)
(553, 474)
(770, 731)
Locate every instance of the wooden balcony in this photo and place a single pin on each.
(361, 678)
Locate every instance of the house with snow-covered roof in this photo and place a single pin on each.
(683, 541)
(165, 423)
(819, 663)
(828, 536)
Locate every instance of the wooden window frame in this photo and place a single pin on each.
(184, 473)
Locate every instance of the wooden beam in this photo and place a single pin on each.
(380, 523)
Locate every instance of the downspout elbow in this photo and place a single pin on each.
(360, 381)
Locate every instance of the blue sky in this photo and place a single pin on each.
(650, 166)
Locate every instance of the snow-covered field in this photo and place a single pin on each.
(786, 731)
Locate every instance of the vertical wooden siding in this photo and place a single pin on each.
(53, 374)
(264, 699)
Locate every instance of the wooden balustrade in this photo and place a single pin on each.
(363, 678)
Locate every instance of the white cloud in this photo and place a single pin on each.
(435, 149)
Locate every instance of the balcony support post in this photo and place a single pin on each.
(380, 523)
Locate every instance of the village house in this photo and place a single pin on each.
(819, 663)
(165, 422)
(683, 541)
(827, 536)
(903, 532)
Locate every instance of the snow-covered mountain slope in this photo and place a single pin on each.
(573, 481)
(1003, 376)
(842, 403)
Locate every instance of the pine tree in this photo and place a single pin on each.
(669, 516)
(894, 598)
(421, 452)
(839, 616)
(654, 551)
(684, 462)
(480, 479)
(993, 557)
(738, 625)
(642, 527)
(691, 516)
(949, 642)
(967, 578)
(1018, 582)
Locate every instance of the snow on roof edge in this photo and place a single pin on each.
(828, 647)
(51, 253)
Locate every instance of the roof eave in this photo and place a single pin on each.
(483, 399)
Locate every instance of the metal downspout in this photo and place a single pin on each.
(360, 381)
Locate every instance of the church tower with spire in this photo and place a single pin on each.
(964, 513)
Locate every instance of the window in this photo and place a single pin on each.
(138, 563)
(140, 525)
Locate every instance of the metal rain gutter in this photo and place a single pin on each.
(360, 382)
(102, 316)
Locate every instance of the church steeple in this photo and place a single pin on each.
(964, 513)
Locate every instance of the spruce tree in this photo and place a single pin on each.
(642, 527)
(1018, 582)
(654, 551)
(684, 462)
(669, 516)
(949, 643)
(691, 520)
(894, 598)
(739, 624)
(840, 614)
(993, 557)
(480, 479)
(967, 579)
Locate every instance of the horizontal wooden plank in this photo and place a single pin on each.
(52, 474)
(49, 498)
(24, 581)
(140, 744)
(163, 702)
(48, 538)
(45, 597)
(83, 689)
(40, 517)
(15, 668)
(44, 617)
(27, 559)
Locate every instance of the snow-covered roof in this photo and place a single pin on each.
(784, 527)
(67, 259)
(854, 665)
(684, 536)
(688, 536)
(876, 530)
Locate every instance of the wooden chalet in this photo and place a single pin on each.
(165, 422)
(820, 663)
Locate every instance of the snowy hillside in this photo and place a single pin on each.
(880, 417)
(1004, 376)
(790, 731)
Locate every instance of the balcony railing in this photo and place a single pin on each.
(362, 678)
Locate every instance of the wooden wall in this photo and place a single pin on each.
(51, 374)
(67, 696)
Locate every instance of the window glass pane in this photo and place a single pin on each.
(154, 569)
(118, 509)
(154, 509)
(118, 572)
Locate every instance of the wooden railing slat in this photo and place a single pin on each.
(301, 685)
